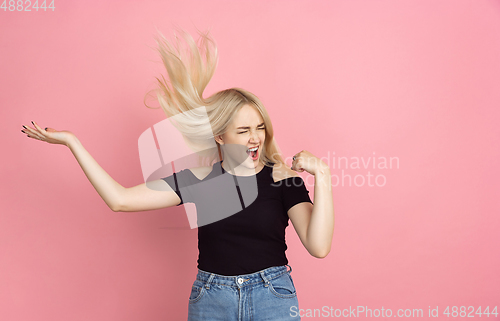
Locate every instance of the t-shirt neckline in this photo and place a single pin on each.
(224, 171)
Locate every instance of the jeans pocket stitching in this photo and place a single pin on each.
(200, 294)
(280, 295)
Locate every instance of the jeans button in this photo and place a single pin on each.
(240, 280)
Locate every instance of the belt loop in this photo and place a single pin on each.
(290, 268)
(266, 281)
(210, 278)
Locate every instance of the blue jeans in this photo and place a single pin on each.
(264, 295)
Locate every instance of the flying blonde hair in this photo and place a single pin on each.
(189, 74)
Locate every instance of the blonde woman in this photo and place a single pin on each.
(243, 272)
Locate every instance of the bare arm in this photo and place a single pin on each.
(155, 195)
(315, 224)
(105, 185)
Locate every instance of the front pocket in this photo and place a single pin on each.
(197, 291)
(282, 286)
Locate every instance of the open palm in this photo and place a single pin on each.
(49, 135)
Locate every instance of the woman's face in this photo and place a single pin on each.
(245, 134)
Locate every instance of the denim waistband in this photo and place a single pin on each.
(243, 279)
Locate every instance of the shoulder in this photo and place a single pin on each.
(281, 172)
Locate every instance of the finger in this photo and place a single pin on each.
(298, 165)
(37, 138)
(41, 130)
(33, 137)
(31, 132)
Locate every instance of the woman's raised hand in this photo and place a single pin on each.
(306, 161)
(49, 135)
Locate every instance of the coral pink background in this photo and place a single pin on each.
(415, 80)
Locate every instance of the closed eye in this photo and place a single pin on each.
(260, 128)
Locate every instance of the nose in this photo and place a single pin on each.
(254, 138)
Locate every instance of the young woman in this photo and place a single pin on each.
(242, 266)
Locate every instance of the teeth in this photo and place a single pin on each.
(253, 149)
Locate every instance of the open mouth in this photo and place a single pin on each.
(253, 153)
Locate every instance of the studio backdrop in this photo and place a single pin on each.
(399, 98)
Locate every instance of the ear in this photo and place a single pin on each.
(219, 140)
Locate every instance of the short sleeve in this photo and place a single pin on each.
(294, 192)
(176, 181)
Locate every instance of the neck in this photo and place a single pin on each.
(240, 170)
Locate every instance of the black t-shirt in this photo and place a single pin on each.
(251, 238)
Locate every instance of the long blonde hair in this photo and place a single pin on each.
(189, 74)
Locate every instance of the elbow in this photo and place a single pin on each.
(321, 254)
(117, 204)
(115, 207)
